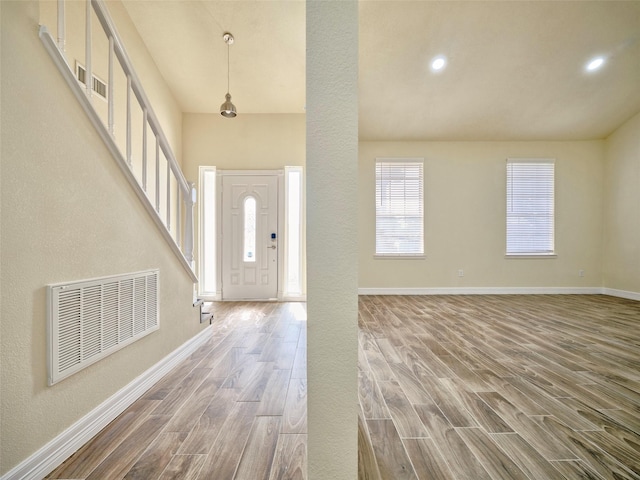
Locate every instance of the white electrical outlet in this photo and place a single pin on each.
(461, 273)
(581, 273)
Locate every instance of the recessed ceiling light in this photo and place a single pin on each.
(595, 64)
(438, 63)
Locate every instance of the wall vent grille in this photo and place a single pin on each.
(98, 85)
(91, 319)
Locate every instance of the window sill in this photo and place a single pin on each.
(531, 256)
(399, 257)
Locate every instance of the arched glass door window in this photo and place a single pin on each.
(249, 229)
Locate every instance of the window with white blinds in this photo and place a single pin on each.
(530, 206)
(399, 207)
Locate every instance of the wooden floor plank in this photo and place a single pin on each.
(626, 430)
(226, 450)
(156, 458)
(295, 409)
(367, 466)
(489, 420)
(256, 382)
(179, 395)
(247, 371)
(371, 400)
(621, 451)
(258, 454)
(187, 416)
(275, 393)
(576, 470)
(450, 401)
(120, 461)
(525, 456)
(207, 429)
(549, 446)
(463, 464)
(493, 459)
(599, 460)
(389, 351)
(410, 380)
(404, 416)
(290, 460)
(527, 402)
(391, 457)
(555, 405)
(183, 467)
(299, 368)
(427, 462)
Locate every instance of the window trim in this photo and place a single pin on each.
(298, 291)
(398, 255)
(532, 254)
(208, 228)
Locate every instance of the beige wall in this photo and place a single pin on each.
(465, 216)
(67, 214)
(247, 142)
(622, 208)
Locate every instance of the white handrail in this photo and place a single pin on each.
(185, 190)
(110, 29)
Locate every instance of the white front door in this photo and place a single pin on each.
(249, 237)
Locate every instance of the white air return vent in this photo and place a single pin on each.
(98, 85)
(90, 319)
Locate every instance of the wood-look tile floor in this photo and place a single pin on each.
(236, 409)
(499, 387)
(451, 387)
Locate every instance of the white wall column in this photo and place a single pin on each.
(332, 302)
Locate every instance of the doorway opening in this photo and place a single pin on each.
(251, 234)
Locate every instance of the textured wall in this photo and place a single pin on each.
(67, 214)
(622, 208)
(465, 209)
(332, 263)
(247, 142)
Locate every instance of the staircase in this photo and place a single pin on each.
(139, 146)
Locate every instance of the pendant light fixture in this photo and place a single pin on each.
(228, 109)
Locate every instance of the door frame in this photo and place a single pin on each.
(279, 174)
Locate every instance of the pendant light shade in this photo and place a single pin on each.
(228, 109)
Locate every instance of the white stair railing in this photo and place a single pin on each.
(173, 215)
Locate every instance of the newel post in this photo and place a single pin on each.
(189, 202)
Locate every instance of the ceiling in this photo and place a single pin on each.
(515, 69)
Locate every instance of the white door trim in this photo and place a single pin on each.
(280, 174)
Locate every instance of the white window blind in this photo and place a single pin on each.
(530, 206)
(399, 207)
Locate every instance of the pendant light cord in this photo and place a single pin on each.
(228, 73)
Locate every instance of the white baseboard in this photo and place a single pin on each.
(621, 293)
(294, 298)
(55, 452)
(482, 291)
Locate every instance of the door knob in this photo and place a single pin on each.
(273, 247)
